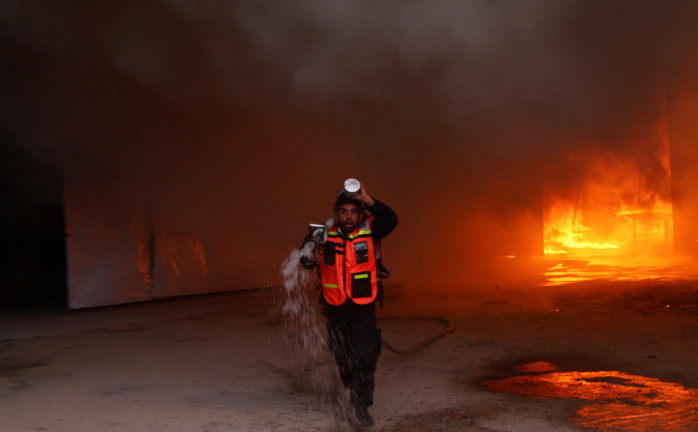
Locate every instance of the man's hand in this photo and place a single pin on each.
(364, 197)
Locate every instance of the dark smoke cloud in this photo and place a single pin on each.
(246, 116)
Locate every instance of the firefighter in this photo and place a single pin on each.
(349, 263)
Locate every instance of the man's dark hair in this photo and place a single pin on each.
(342, 199)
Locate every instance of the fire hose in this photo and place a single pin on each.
(449, 329)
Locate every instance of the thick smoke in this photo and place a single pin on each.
(245, 117)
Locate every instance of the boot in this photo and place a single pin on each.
(364, 416)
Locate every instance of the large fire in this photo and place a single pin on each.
(573, 231)
(619, 217)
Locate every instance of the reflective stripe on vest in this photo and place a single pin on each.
(348, 267)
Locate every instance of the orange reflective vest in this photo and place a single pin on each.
(348, 266)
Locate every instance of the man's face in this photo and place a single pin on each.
(349, 216)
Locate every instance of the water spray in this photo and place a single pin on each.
(297, 306)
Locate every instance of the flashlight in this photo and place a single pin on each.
(352, 187)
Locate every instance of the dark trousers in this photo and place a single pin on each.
(355, 343)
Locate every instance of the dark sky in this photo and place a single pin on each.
(246, 116)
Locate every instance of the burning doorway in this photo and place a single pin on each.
(618, 210)
(620, 215)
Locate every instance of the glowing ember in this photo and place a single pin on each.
(623, 402)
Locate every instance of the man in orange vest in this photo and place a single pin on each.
(349, 262)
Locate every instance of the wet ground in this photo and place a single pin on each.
(607, 356)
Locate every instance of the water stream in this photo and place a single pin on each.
(299, 306)
(306, 328)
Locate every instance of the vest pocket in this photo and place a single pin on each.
(328, 251)
(361, 285)
(361, 252)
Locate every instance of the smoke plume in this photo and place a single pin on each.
(245, 117)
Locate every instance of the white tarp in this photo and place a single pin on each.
(180, 265)
(107, 226)
(117, 253)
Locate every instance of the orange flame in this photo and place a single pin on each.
(566, 231)
(619, 216)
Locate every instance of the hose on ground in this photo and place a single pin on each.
(449, 329)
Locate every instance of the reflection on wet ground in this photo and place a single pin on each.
(615, 269)
(622, 402)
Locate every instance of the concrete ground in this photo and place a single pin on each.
(519, 359)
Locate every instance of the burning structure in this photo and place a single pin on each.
(633, 209)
